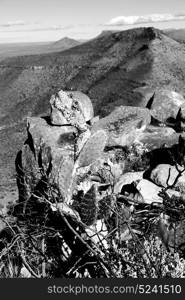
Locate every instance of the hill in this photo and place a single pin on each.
(17, 49)
(64, 43)
(108, 68)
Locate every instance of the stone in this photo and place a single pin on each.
(46, 158)
(165, 172)
(123, 125)
(70, 107)
(149, 191)
(85, 104)
(166, 104)
(145, 93)
(155, 137)
(127, 178)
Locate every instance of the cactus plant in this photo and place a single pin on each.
(88, 206)
(90, 152)
(92, 149)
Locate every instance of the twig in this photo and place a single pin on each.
(74, 266)
(180, 172)
(43, 263)
(27, 266)
(90, 248)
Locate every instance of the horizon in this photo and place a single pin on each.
(83, 40)
(23, 21)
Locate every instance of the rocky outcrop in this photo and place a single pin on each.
(70, 107)
(124, 125)
(52, 154)
(55, 151)
(47, 158)
(165, 104)
(88, 169)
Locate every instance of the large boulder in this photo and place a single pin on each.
(124, 125)
(165, 175)
(46, 159)
(85, 104)
(70, 106)
(165, 105)
(155, 137)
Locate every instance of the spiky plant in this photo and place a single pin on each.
(89, 153)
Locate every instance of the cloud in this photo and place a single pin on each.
(48, 28)
(153, 18)
(34, 28)
(14, 23)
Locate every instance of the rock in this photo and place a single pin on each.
(60, 103)
(85, 104)
(145, 94)
(94, 120)
(46, 158)
(164, 172)
(166, 105)
(149, 191)
(157, 130)
(123, 125)
(127, 178)
(92, 149)
(155, 137)
(68, 107)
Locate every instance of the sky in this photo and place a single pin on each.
(50, 20)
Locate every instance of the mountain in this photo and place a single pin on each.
(65, 43)
(176, 34)
(109, 68)
(19, 49)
